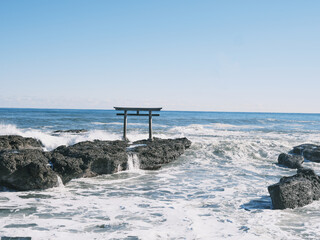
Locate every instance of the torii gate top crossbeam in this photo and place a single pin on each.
(136, 109)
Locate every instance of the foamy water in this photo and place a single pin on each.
(216, 190)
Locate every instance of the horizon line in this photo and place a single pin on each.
(204, 111)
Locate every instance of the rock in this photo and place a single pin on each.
(152, 168)
(11, 142)
(71, 131)
(312, 154)
(67, 167)
(291, 161)
(26, 170)
(299, 149)
(295, 191)
(15, 238)
(88, 159)
(309, 151)
(152, 154)
(25, 166)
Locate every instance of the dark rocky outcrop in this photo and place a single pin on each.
(13, 142)
(25, 166)
(302, 188)
(88, 159)
(152, 154)
(291, 161)
(310, 151)
(26, 169)
(295, 191)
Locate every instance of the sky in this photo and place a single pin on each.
(204, 55)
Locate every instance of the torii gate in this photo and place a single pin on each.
(138, 110)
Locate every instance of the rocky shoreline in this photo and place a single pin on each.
(302, 188)
(25, 166)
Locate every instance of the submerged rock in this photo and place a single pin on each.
(295, 191)
(291, 161)
(70, 131)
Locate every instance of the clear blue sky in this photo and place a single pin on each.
(182, 55)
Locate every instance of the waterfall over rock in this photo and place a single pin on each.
(133, 161)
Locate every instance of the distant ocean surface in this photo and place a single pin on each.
(216, 190)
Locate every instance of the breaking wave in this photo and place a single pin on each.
(52, 141)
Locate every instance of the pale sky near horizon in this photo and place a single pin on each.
(201, 55)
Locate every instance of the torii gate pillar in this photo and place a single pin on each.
(125, 114)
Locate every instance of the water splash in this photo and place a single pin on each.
(133, 162)
(60, 183)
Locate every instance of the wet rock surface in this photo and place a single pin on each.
(88, 159)
(25, 166)
(295, 191)
(152, 154)
(309, 151)
(14, 142)
(26, 169)
(290, 161)
(302, 188)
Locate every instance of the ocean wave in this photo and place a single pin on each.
(51, 142)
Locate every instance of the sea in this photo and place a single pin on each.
(216, 190)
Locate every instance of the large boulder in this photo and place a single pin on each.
(309, 151)
(152, 154)
(13, 142)
(27, 169)
(295, 191)
(88, 159)
(290, 161)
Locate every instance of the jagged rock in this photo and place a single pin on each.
(152, 154)
(87, 159)
(26, 169)
(11, 142)
(309, 151)
(291, 161)
(295, 191)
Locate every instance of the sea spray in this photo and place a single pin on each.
(50, 140)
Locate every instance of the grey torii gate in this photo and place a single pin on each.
(137, 110)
